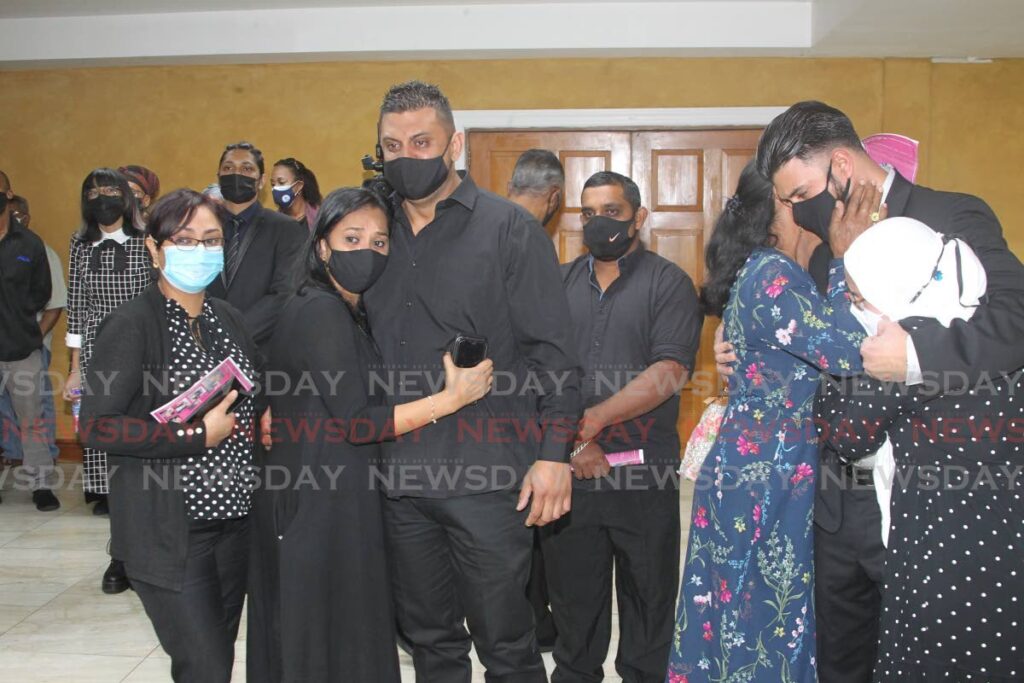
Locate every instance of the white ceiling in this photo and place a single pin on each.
(77, 32)
(72, 8)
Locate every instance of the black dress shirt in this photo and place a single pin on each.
(648, 314)
(485, 267)
(24, 290)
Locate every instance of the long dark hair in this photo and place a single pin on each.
(108, 177)
(310, 187)
(336, 206)
(744, 225)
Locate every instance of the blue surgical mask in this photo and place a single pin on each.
(283, 194)
(191, 271)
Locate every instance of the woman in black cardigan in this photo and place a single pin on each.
(320, 600)
(179, 492)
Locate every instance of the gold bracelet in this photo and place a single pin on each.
(433, 414)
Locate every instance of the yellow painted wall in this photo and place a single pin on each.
(56, 125)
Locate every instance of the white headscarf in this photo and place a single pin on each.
(905, 269)
(898, 259)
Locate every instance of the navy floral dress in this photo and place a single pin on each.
(746, 610)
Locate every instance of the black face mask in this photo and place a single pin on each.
(552, 211)
(106, 210)
(3, 202)
(237, 188)
(606, 238)
(815, 214)
(417, 178)
(356, 270)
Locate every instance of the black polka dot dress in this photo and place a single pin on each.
(216, 481)
(953, 604)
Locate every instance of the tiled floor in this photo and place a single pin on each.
(55, 623)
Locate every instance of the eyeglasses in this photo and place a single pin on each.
(108, 191)
(190, 243)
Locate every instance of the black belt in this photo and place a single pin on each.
(861, 476)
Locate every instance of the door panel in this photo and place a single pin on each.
(492, 155)
(684, 179)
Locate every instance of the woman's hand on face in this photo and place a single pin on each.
(466, 385)
(219, 422)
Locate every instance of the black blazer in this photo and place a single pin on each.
(126, 380)
(990, 342)
(266, 272)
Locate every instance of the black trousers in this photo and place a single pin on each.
(464, 560)
(848, 575)
(637, 533)
(197, 625)
(537, 594)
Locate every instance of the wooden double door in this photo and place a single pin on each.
(684, 176)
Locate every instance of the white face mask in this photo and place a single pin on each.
(868, 319)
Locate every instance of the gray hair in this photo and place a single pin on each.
(416, 95)
(536, 171)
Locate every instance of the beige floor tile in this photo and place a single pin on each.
(11, 615)
(77, 622)
(20, 520)
(8, 536)
(26, 666)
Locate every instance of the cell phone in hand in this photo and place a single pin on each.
(468, 350)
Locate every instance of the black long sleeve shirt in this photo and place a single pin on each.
(25, 288)
(485, 267)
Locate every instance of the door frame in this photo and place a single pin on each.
(467, 120)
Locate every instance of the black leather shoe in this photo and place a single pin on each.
(45, 501)
(100, 509)
(114, 579)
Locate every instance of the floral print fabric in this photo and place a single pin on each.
(746, 609)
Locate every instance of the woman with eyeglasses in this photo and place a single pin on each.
(180, 491)
(108, 266)
(946, 465)
(145, 185)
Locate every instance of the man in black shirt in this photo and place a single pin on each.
(537, 185)
(24, 291)
(465, 261)
(636, 323)
(261, 247)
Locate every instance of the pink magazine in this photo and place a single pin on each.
(898, 151)
(204, 394)
(622, 458)
(626, 458)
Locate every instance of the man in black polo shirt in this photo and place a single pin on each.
(466, 261)
(636, 323)
(24, 291)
